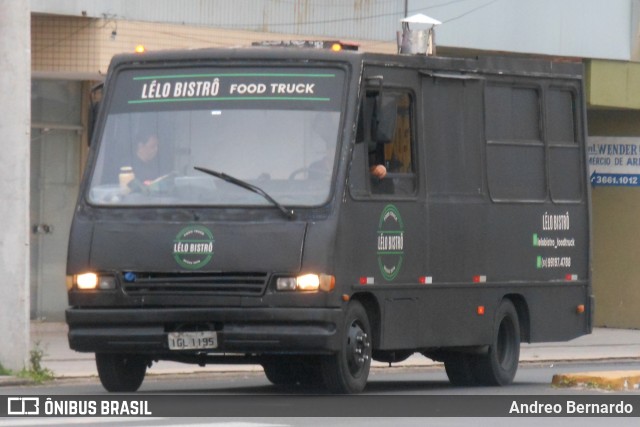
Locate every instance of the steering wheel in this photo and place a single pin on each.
(299, 171)
(314, 173)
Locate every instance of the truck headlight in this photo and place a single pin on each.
(89, 281)
(286, 284)
(306, 282)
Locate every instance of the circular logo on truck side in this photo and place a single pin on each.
(193, 247)
(390, 242)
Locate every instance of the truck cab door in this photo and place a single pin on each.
(382, 238)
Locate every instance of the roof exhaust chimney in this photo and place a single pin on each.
(418, 41)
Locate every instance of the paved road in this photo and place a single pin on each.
(531, 379)
(387, 389)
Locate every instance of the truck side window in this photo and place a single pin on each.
(396, 155)
(565, 170)
(515, 147)
(453, 117)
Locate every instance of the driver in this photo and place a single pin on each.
(145, 164)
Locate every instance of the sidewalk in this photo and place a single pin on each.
(602, 344)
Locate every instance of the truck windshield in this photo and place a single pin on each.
(276, 129)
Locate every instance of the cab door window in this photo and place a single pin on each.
(385, 166)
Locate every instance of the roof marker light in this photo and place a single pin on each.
(140, 49)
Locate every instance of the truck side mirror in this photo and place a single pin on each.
(378, 114)
(385, 118)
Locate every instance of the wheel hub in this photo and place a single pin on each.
(358, 348)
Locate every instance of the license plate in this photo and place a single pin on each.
(193, 340)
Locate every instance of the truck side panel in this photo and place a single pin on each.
(500, 211)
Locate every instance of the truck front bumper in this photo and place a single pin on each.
(239, 330)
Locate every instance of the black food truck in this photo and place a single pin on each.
(311, 211)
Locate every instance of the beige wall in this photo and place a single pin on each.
(64, 45)
(613, 84)
(616, 233)
(83, 47)
(616, 257)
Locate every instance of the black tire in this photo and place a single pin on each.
(291, 370)
(310, 371)
(460, 369)
(121, 372)
(347, 371)
(499, 365)
(278, 373)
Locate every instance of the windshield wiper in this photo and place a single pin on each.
(240, 183)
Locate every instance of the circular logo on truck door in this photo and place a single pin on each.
(193, 247)
(390, 242)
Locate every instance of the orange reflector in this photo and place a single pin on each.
(580, 309)
(480, 310)
(336, 47)
(345, 297)
(140, 49)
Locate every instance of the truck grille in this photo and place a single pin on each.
(206, 283)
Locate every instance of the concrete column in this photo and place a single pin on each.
(635, 30)
(15, 117)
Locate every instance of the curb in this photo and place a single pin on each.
(603, 380)
(8, 380)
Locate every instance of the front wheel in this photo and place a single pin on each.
(499, 365)
(290, 370)
(121, 372)
(347, 371)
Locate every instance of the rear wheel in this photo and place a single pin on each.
(499, 365)
(347, 370)
(460, 368)
(121, 372)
